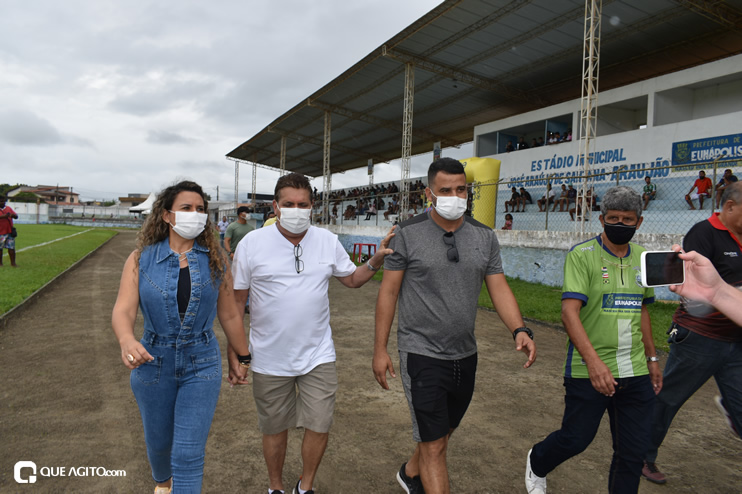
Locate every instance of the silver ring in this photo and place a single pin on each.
(130, 358)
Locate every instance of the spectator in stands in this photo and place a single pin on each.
(350, 212)
(552, 138)
(371, 211)
(522, 143)
(563, 200)
(703, 188)
(333, 215)
(726, 179)
(509, 147)
(7, 239)
(508, 222)
(589, 199)
(546, 199)
(514, 200)
(571, 195)
(650, 191)
(540, 141)
(534, 143)
(525, 197)
(568, 135)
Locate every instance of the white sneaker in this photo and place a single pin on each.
(725, 413)
(534, 483)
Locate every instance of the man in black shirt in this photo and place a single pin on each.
(525, 197)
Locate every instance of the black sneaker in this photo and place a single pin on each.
(411, 485)
(296, 489)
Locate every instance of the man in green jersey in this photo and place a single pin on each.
(611, 361)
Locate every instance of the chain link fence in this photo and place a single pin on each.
(670, 195)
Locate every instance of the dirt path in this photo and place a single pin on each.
(65, 401)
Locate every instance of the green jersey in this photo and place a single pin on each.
(650, 188)
(612, 298)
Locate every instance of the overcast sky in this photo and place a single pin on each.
(119, 97)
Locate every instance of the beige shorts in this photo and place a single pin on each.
(305, 401)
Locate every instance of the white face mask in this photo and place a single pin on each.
(295, 220)
(189, 224)
(449, 207)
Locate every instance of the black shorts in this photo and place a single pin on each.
(438, 392)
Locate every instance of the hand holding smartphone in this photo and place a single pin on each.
(662, 268)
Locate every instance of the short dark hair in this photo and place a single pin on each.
(445, 165)
(243, 209)
(293, 180)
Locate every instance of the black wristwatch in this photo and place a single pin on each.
(525, 330)
(245, 360)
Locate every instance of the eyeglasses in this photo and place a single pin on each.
(452, 253)
(297, 254)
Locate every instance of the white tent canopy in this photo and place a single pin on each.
(146, 206)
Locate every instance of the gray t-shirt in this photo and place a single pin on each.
(438, 298)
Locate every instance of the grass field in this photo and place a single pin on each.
(38, 265)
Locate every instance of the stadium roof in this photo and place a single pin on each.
(482, 60)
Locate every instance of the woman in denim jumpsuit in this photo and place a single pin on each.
(179, 278)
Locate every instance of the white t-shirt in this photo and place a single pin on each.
(289, 312)
(222, 225)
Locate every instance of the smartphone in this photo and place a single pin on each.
(662, 268)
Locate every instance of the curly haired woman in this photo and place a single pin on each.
(180, 279)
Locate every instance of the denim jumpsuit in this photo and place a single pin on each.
(177, 392)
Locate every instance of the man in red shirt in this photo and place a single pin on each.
(703, 188)
(6, 227)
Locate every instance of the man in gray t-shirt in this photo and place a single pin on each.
(436, 271)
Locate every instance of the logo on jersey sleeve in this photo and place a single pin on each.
(620, 302)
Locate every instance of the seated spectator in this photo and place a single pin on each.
(552, 139)
(508, 222)
(571, 194)
(568, 135)
(562, 200)
(350, 212)
(371, 211)
(650, 191)
(703, 188)
(726, 179)
(540, 141)
(557, 137)
(546, 199)
(509, 147)
(514, 200)
(534, 143)
(522, 143)
(525, 197)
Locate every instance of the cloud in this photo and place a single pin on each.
(24, 128)
(165, 137)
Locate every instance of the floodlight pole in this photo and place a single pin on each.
(236, 183)
(254, 183)
(283, 155)
(409, 96)
(326, 170)
(589, 102)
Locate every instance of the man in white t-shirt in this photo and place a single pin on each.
(286, 272)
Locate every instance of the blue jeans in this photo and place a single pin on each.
(177, 394)
(693, 360)
(630, 412)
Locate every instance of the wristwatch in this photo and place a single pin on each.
(525, 330)
(653, 359)
(244, 360)
(370, 267)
